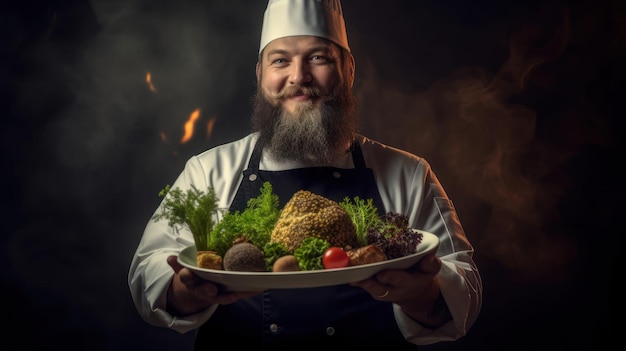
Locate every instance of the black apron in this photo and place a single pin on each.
(282, 319)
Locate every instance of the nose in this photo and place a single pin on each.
(300, 73)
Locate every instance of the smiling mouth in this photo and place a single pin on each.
(300, 97)
(299, 91)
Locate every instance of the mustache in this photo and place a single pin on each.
(295, 90)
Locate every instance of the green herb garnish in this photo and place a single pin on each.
(254, 224)
(193, 209)
(309, 253)
(364, 216)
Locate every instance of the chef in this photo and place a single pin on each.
(304, 136)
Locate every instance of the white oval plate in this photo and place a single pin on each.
(257, 281)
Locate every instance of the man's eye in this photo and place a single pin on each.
(319, 59)
(279, 61)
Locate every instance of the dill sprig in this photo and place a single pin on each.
(193, 209)
(364, 215)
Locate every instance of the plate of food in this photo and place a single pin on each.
(256, 281)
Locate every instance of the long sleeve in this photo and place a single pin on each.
(149, 274)
(423, 198)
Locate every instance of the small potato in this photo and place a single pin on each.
(288, 263)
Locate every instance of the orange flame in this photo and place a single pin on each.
(209, 126)
(149, 81)
(189, 125)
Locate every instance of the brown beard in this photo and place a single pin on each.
(314, 135)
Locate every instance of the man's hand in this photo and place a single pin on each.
(189, 294)
(415, 290)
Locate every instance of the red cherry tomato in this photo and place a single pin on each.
(335, 257)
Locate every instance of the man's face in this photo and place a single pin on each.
(295, 71)
(304, 108)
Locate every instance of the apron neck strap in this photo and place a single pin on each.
(355, 150)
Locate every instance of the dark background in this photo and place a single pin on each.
(518, 105)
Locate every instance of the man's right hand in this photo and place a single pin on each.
(189, 294)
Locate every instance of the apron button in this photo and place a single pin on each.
(273, 328)
(336, 174)
(252, 177)
(330, 331)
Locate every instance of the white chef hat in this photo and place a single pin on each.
(320, 18)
